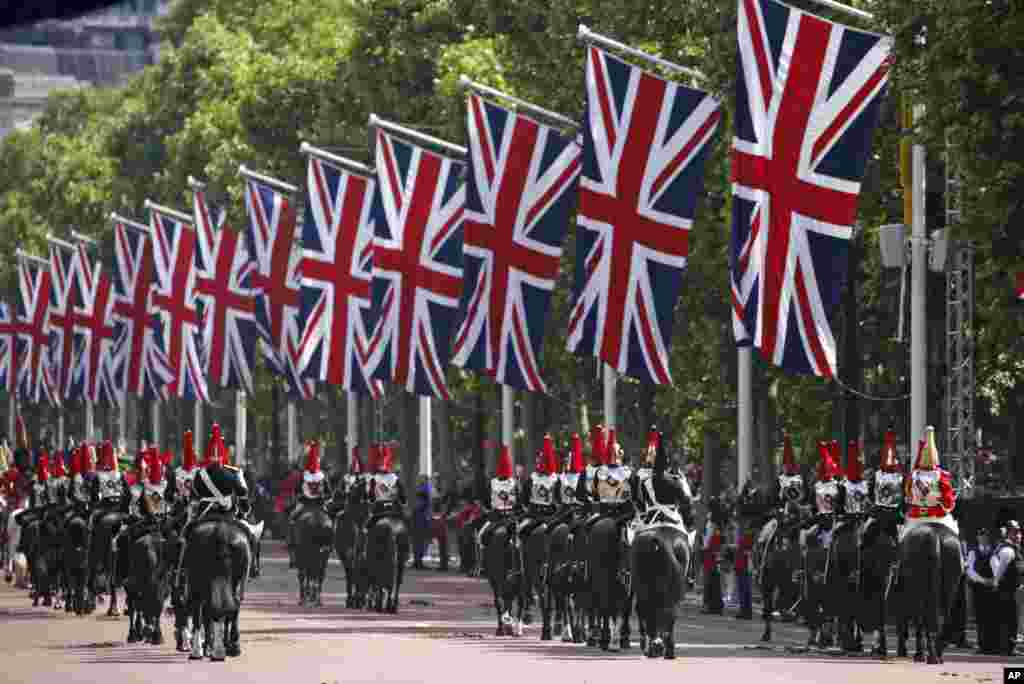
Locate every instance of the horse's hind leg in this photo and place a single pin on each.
(919, 636)
(624, 633)
(232, 641)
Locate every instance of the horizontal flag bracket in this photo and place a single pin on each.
(840, 7)
(173, 213)
(417, 137)
(588, 36)
(343, 162)
(246, 172)
(32, 258)
(466, 84)
(142, 228)
(79, 237)
(196, 184)
(57, 242)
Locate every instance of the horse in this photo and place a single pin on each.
(536, 565)
(779, 566)
(147, 566)
(216, 565)
(350, 545)
(565, 582)
(816, 602)
(503, 567)
(257, 552)
(76, 562)
(844, 581)
(609, 571)
(105, 526)
(660, 559)
(314, 538)
(879, 557)
(929, 580)
(387, 552)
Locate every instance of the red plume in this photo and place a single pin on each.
(597, 444)
(57, 465)
(188, 454)
(889, 462)
(611, 451)
(550, 460)
(76, 461)
(827, 468)
(155, 467)
(577, 455)
(854, 468)
(504, 469)
(43, 467)
(357, 466)
(313, 457)
(789, 466)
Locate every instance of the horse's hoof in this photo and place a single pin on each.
(527, 618)
(132, 638)
(179, 645)
(606, 645)
(591, 641)
(111, 613)
(8, 578)
(192, 656)
(933, 660)
(500, 631)
(156, 639)
(624, 644)
(233, 651)
(47, 602)
(918, 657)
(670, 653)
(545, 634)
(879, 652)
(901, 653)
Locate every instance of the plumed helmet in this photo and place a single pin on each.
(107, 460)
(827, 467)
(43, 466)
(385, 459)
(612, 452)
(57, 465)
(313, 457)
(188, 453)
(154, 467)
(88, 458)
(21, 442)
(577, 465)
(837, 456)
(651, 453)
(597, 444)
(76, 461)
(550, 460)
(504, 469)
(928, 455)
(356, 467)
(789, 466)
(889, 463)
(213, 454)
(854, 468)
(661, 458)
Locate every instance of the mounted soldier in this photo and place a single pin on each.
(674, 508)
(844, 578)
(929, 489)
(109, 486)
(568, 482)
(186, 506)
(816, 543)
(313, 493)
(612, 488)
(154, 495)
(39, 496)
(501, 502)
(544, 489)
(384, 490)
(352, 481)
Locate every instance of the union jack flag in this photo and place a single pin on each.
(522, 183)
(645, 144)
(224, 287)
(35, 377)
(174, 298)
(142, 368)
(417, 264)
(94, 372)
(62, 320)
(8, 349)
(271, 235)
(342, 209)
(1020, 286)
(808, 93)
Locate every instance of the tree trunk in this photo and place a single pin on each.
(712, 478)
(851, 371)
(275, 429)
(533, 431)
(765, 437)
(446, 467)
(409, 443)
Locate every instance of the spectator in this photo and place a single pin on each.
(712, 575)
(421, 521)
(744, 561)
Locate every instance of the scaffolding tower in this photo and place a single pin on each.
(959, 408)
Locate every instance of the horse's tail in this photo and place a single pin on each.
(385, 555)
(222, 595)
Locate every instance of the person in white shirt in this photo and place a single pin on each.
(979, 575)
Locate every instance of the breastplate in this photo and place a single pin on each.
(612, 485)
(888, 489)
(184, 480)
(791, 487)
(503, 494)
(924, 489)
(385, 488)
(110, 485)
(856, 497)
(80, 489)
(314, 490)
(569, 483)
(39, 492)
(825, 495)
(542, 489)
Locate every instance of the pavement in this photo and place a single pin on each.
(443, 632)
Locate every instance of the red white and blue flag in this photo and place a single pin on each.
(35, 377)
(272, 236)
(62, 320)
(93, 307)
(224, 288)
(645, 143)
(342, 210)
(808, 95)
(1020, 286)
(142, 368)
(8, 349)
(417, 264)
(175, 300)
(521, 187)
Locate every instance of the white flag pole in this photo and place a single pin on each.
(90, 421)
(241, 425)
(426, 462)
(351, 425)
(745, 414)
(155, 417)
(508, 399)
(197, 416)
(609, 396)
(293, 434)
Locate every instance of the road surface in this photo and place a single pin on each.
(444, 632)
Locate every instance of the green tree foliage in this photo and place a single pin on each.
(244, 83)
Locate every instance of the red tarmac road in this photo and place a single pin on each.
(444, 632)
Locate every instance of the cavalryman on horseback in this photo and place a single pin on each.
(108, 486)
(544, 489)
(153, 504)
(354, 478)
(612, 485)
(501, 502)
(58, 482)
(184, 478)
(929, 489)
(661, 497)
(570, 505)
(314, 492)
(384, 490)
(39, 496)
(829, 495)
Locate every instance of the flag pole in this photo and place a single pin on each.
(846, 9)
(745, 413)
(155, 417)
(918, 282)
(122, 418)
(466, 84)
(417, 137)
(588, 36)
(90, 420)
(342, 162)
(245, 172)
(12, 414)
(609, 395)
(508, 398)
(241, 427)
(351, 425)
(293, 434)
(197, 415)
(129, 223)
(426, 463)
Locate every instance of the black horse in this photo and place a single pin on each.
(660, 559)
(879, 558)
(387, 552)
(536, 562)
(566, 583)
(314, 539)
(216, 566)
(844, 582)
(106, 525)
(609, 570)
(929, 582)
(350, 545)
(76, 562)
(503, 567)
(31, 544)
(148, 567)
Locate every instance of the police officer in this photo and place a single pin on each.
(1006, 575)
(979, 577)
